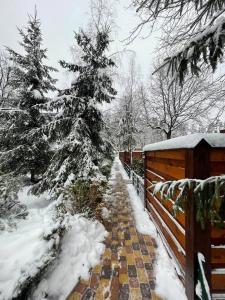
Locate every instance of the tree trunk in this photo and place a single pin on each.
(32, 176)
(168, 135)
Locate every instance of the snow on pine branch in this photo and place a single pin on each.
(208, 45)
(208, 195)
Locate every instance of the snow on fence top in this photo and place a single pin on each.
(188, 141)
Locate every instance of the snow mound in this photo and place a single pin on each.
(33, 243)
(105, 213)
(82, 248)
(27, 247)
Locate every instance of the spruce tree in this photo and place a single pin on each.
(92, 85)
(77, 130)
(33, 75)
(23, 144)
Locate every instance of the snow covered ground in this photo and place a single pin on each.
(168, 286)
(30, 246)
(24, 249)
(82, 248)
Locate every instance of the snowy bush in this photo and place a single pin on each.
(83, 196)
(105, 167)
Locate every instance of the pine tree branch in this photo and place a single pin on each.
(209, 46)
(208, 196)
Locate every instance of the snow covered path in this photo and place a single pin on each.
(126, 270)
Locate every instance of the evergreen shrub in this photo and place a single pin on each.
(84, 196)
(138, 166)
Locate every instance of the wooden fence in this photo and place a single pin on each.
(182, 235)
(127, 157)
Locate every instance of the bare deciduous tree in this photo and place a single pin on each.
(169, 106)
(102, 14)
(129, 111)
(7, 79)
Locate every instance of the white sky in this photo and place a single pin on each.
(59, 19)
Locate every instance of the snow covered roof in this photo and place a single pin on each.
(188, 141)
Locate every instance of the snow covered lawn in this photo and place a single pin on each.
(26, 249)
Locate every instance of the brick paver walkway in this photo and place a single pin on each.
(126, 269)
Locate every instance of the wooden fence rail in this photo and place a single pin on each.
(183, 236)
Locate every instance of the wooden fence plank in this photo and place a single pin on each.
(171, 154)
(218, 258)
(217, 155)
(215, 173)
(218, 167)
(166, 170)
(168, 161)
(217, 236)
(153, 176)
(168, 219)
(218, 283)
(171, 243)
(168, 205)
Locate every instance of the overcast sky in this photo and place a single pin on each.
(59, 18)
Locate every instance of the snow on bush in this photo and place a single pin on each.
(33, 244)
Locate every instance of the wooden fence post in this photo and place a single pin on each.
(131, 158)
(197, 166)
(145, 178)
